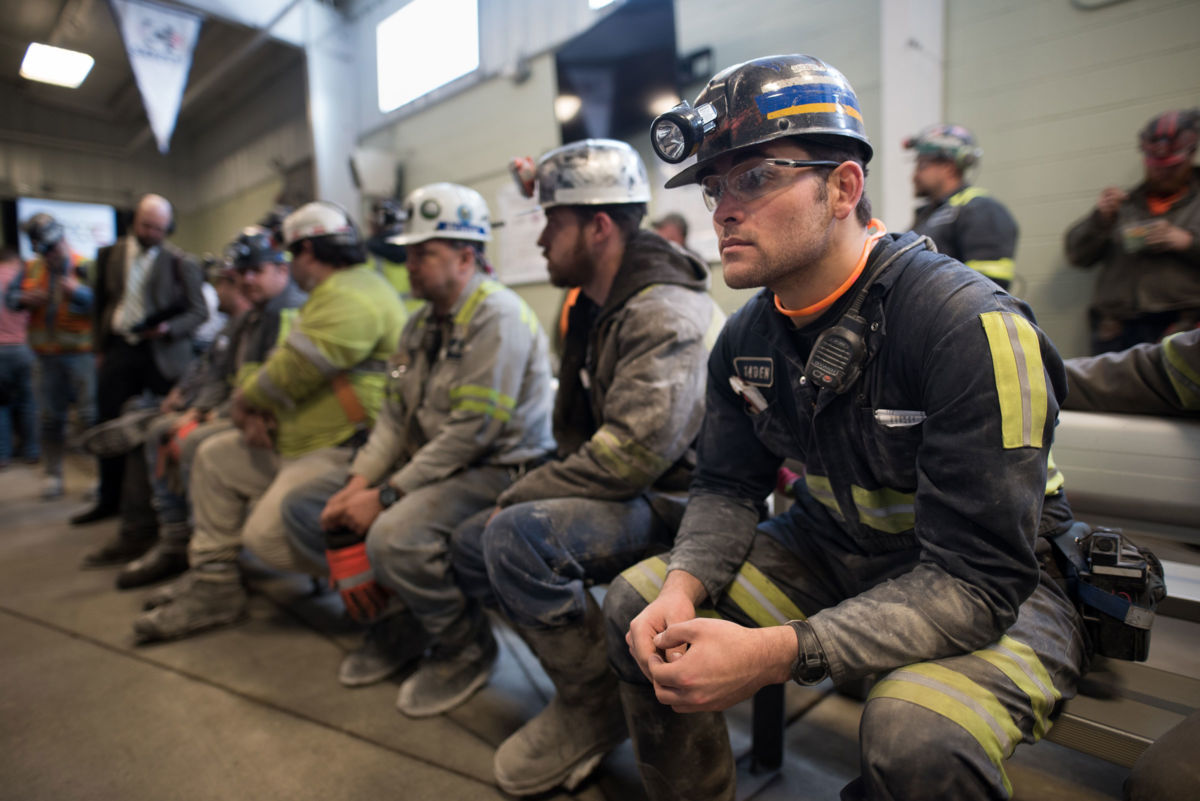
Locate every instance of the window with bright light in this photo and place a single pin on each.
(424, 45)
(597, 4)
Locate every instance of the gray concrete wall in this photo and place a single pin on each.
(1056, 95)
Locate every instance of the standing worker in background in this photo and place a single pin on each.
(1147, 241)
(964, 221)
(922, 402)
(148, 304)
(53, 288)
(298, 415)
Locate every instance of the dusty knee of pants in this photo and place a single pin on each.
(902, 743)
(622, 604)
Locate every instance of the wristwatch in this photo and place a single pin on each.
(810, 666)
(388, 495)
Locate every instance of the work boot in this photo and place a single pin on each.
(458, 665)
(680, 757)
(116, 551)
(215, 598)
(169, 592)
(565, 742)
(52, 487)
(163, 561)
(390, 645)
(101, 511)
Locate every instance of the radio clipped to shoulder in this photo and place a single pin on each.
(1116, 586)
(838, 355)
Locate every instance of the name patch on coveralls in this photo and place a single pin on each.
(756, 370)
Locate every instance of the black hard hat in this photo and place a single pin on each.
(758, 101)
(253, 246)
(44, 232)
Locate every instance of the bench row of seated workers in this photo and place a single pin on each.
(434, 479)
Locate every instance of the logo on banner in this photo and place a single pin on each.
(159, 41)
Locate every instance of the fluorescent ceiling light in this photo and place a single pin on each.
(55, 65)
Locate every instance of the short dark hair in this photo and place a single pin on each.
(626, 216)
(337, 254)
(839, 149)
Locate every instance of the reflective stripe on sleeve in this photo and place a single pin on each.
(629, 460)
(1000, 269)
(302, 344)
(1183, 378)
(1020, 378)
(647, 577)
(1054, 476)
(484, 400)
(820, 488)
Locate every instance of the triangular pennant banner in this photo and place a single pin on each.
(159, 41)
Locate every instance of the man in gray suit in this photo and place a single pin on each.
(148, 302)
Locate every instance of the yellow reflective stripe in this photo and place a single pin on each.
(287, 318)
(529, 318)
(815, 108)
(958, 699)
(487, 287)
(1020, 378)
(482, 393)
(1054, 476)
(647, 577)
(1022, 667)
(484, 408)
(1183, 378)
(1004, 269)
(965, 196)
(820, 488)
(629, 460)
(885, 509)
(759, 598)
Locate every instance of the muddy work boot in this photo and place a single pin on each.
(390, 645)
(214, 598)
(457, 666)
(163, 561)
(566, 741)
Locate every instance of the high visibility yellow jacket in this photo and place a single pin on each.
(349, 326)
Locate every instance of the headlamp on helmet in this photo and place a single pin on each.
(678, 133)
(253, 247)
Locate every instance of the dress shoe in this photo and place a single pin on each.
(116, 552)
(94, 515)
(156, 564)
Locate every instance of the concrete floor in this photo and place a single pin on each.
(255, 711)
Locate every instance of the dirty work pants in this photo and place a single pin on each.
(408, 545)
(535, 560)
(236, 496)
(939, 729)
(170, 498)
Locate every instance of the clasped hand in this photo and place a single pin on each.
(705, 664)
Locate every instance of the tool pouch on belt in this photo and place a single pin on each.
(1115, 584)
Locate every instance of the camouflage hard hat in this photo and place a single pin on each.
(950, 142)
(1170, 138)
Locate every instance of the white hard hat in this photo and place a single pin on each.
(444, 211)
(592, 172)
(319, 219)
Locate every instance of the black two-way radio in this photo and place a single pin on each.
(838, 355)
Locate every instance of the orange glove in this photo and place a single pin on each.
(350, 573)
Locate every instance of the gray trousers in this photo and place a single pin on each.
(237, 492)
(938, 729)
(409, 544)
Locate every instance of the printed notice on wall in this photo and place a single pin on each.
(519, 259)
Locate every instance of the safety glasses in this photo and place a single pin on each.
(754, 179)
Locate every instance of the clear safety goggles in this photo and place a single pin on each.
(754, 179)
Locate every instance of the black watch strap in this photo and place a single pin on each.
(388, 495)
(810, 666)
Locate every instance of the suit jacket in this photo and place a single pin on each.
(173, 285)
